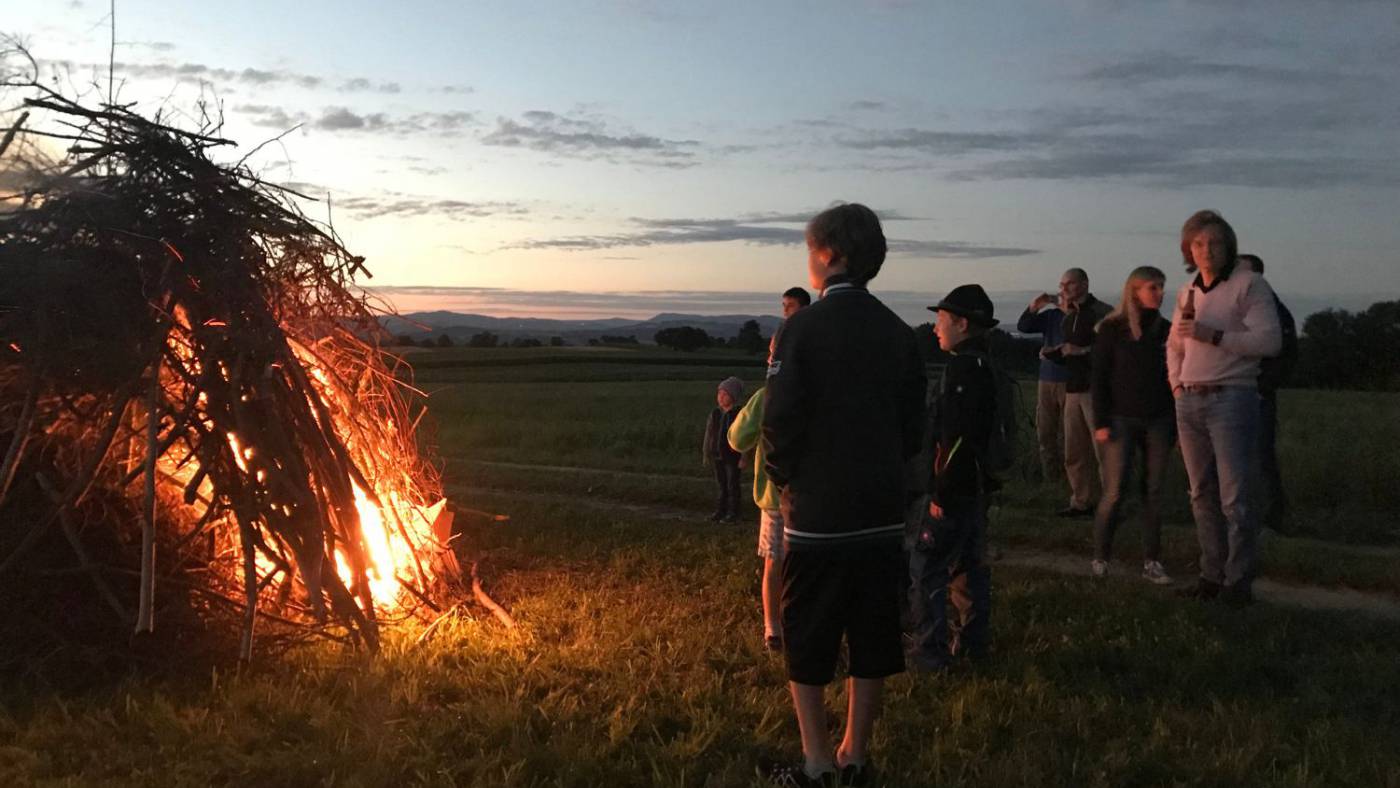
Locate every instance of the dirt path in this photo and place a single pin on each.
(525, 466)
(1308, 597)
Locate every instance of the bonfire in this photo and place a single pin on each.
(192, 392)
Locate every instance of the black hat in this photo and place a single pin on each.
(971, 302)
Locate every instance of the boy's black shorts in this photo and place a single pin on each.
(849, 590)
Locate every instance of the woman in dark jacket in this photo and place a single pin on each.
(1133, 408)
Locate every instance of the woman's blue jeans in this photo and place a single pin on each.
(1152, 438)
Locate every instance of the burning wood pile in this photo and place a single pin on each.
(192, 398)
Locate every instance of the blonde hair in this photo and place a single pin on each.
(1128, 311)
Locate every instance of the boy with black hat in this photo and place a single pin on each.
(950, 526)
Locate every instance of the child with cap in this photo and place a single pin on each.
(717, 451)
(950, 526)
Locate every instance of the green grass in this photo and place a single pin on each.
(638, 659)
(1336, 448)
(638, 662)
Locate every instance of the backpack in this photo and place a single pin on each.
(1001, 455)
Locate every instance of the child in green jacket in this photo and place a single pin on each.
(745, 435)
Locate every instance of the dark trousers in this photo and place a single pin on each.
(948, 560)
(727, 478)
(1153, 438)
(1277, 504)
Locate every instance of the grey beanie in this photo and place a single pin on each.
(734, 387)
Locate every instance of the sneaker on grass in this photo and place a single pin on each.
(856, 775)
(1098, 569)
(794, 775)
(1153, 572)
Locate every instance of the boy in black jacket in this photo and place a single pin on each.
(844, 412)
(950, 533)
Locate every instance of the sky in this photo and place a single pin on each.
(590, 157)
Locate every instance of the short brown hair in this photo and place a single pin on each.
(1199, 221)
(852, 232)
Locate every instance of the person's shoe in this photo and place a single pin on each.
(1153, 572)
(1203, 591)
(1074, 512)
(730, 518)
(794, 775)
(1237, 596)
(1098, 569)
(716, 517)
(856, 775)
(773, 643)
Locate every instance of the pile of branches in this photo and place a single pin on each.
(192, 394)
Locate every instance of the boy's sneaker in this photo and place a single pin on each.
(1203, 591)
(773, 643)
(1153, 572)
(794, 775)
(856, 775)
(1098, 569)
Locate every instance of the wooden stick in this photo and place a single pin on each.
(145, 615)
(76, 543)
(437, 622)
(75, 492)
(250, 590)
(22, 428)
(10, 134)
(489, 603)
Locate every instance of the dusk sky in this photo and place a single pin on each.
(620, 147)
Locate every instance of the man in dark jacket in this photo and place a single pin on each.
(1082, 313)
(844, 411)
(950, 524)
(1274, 371)
(1044, 317)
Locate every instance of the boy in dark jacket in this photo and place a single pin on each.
(844, 412)
(950, 533)
(718, 452)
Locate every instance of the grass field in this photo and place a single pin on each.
(638, 659)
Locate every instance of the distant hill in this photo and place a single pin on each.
(461, 327)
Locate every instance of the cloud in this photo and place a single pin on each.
(362, 85)
(343, 119)
(757, 230)
(588, 138)
(255, 77)
(408, 206)
(867, 105)
(940, 143)
(956, 250)
(1176, 121)
(1150, 68)
(154, 46)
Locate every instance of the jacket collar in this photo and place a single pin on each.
(837, 283)
(1225, 272)
(974, 344)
